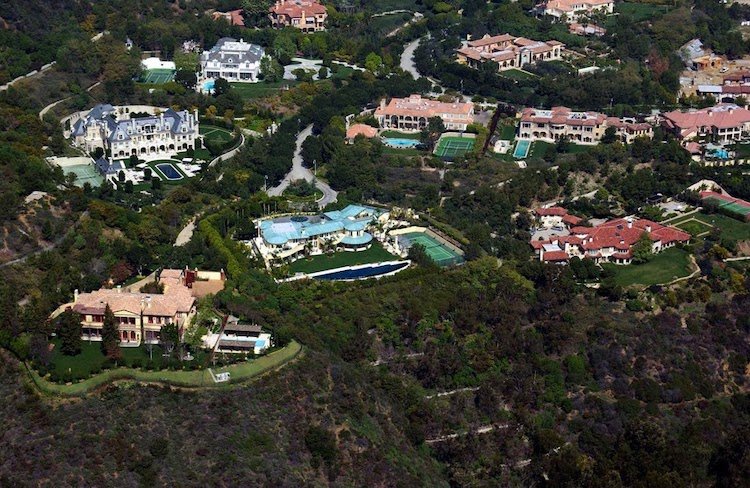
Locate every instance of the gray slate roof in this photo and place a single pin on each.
(252, 54)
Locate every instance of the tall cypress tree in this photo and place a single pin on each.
(70, 333)
(110, 335)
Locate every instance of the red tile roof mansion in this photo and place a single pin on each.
(573, 9)
(306, 15)
(579, 127)
(508, 51)
(723, 123)
(413, 113)
(611, 241)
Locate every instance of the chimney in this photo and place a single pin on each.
(75, 295)
(630, 223)
(119, 289)
(648, 228)
(382, 103)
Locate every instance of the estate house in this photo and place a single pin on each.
(573, 10)
(288, 237)
(413, 113)
(120, 135)
(721, 123)
(140, 316)
(579, 127)
(305, 15)
(508, 51)
(611, 241)
(233, 60)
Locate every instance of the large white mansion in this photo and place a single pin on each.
(110, 128)
(232, 60)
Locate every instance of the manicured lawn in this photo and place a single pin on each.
(91, 359)
(664, 267)
(731, 229)
(694, 227)
(538, 149)
(507, 132)
(375, 254)
(261, 89)
(406, 151)
(199, 378)
(400, 135)
(516, 74)
(213, 132)
(639, 11)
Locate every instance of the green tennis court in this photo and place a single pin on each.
(450, 146)
(438, 252)
(85, 173)
(157, 76)
(735, 208)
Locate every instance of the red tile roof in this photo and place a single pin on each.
(721, 116)
(295, 8)
(361, 129)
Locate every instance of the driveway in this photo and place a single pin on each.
(299, 172)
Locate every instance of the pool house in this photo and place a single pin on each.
(292, 236)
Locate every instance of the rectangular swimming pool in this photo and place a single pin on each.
(522, 149)
(169, 171)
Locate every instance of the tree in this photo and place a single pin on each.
(271, 70)
(642, 250)
(418, 254)
(322, 73)
(374, 63)
(185, 78)
(110, 335)
(256, 11)
(170, 337)
(221, 86)
(610, 135)
(69, 332)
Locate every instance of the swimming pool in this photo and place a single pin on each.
(208, 86)
(720, 153)
(361, 272)
(401, 143)
(169, 171)
(522, 149)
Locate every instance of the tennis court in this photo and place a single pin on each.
(733, 206)
(451, 146)
(85, 173)
(438, 252)
(157, 76)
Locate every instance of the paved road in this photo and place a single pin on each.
(299, 172)
(407, 58)
(229, 154)
(185, 234)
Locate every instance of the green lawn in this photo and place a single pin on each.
(91, 359)
(400, 135)
(694, 227)
(261, 89)
(663, 268)
(213, 132)
(639, 11)
(507, 132)
(731, 229)
(517, 74)
(199, 378)
(375, 254)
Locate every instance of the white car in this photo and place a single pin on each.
(723, 70)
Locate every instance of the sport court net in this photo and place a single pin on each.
(453, 146)
(158, 76)
(734, 208)
(439, 253)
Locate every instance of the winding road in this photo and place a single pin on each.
(299, 172)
